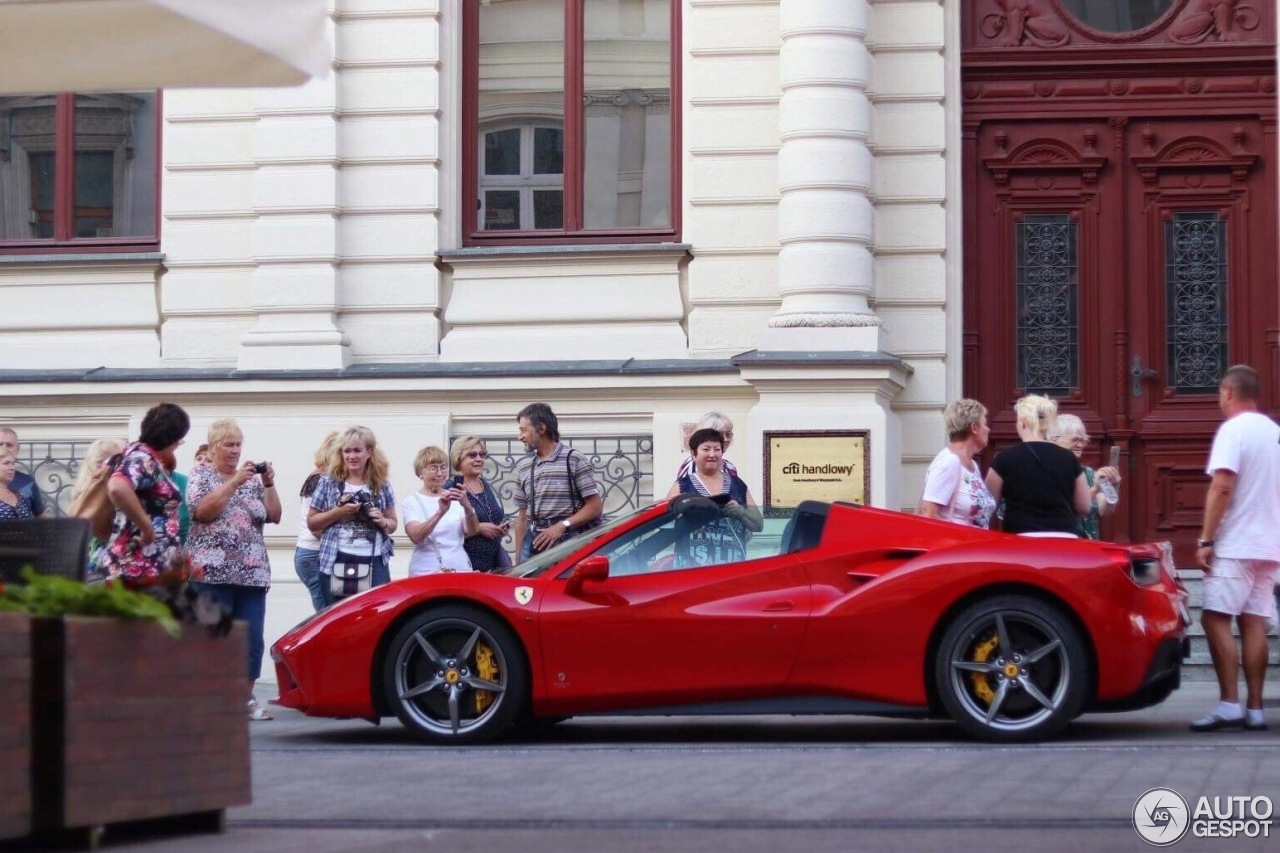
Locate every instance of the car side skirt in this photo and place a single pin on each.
(794, 705)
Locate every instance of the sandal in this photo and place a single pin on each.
(257, 712)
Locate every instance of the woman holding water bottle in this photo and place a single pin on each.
(1103, 496)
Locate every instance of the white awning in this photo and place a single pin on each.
(124, 45)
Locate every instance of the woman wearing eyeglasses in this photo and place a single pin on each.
(1071, 434)
(484, 546)
(437, 518)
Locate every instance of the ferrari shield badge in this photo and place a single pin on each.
(524, 594)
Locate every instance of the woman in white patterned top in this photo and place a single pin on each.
(953, 488)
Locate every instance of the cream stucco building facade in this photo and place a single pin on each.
(312, 271)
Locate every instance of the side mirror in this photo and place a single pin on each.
(594, 568)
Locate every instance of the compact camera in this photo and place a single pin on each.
(260, 467)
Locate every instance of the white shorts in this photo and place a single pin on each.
(1241, 586)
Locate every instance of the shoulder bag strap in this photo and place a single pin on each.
(575, 497)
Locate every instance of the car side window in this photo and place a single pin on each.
(699, 537)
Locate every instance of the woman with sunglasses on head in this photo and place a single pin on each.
(469, 455)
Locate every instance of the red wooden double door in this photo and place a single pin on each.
(1120, 228)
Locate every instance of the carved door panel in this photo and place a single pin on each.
(1120, 231)
(1200, 245)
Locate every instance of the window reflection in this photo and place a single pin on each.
(521, 112)
(1118, 16)
(113, 166)
(627, 114)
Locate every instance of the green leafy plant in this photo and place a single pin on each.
(50, 596)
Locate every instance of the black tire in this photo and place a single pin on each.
(1012, 669)
(435, 668)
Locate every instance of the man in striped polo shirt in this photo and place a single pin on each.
(556, 491)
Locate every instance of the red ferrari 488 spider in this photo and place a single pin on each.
(839, 609)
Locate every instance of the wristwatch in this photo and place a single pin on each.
(566, 524)
(1204, 543)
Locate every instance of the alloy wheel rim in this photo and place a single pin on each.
(1010, 671)
(439, 676)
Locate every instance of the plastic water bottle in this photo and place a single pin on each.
(1108, 490)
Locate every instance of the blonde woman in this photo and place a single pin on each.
(1071, 434)
(1043, 486)
(353, 509)
(306, 553)
(953, 487)
(438, 518)
(95, 458)
(230, 499)
(468, 456)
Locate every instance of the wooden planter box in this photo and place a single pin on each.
(15, 725)
(132, 724)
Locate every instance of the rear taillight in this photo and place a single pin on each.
(1145, 571)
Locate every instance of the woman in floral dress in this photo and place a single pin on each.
(144, 536)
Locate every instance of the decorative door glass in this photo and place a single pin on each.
(1195, 263)
(1048, 304)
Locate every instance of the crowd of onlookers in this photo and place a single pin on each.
(213, 519)
(1040, 482)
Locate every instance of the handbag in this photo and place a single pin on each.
(504, 559)
(352, 573)
(94, 503)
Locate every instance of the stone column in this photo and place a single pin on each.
(825, 216)
(294, 288)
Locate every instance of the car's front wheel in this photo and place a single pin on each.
(1012, 668)
(456, 675)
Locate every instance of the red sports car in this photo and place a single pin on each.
(680, 609)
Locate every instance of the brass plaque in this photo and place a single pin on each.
(816, 466)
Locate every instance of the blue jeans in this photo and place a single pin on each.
(248, 603)
(307, 564)
(526, 547)
(381, 575)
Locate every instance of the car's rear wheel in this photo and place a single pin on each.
(1012, 668)
(456, 675)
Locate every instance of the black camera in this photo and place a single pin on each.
(455, 482)
(362, 499)
(260, 467)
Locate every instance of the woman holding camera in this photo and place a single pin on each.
(353, 511)
(438, 518)
(230, 501)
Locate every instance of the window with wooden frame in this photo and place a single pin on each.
(569, 130)
(79, 172)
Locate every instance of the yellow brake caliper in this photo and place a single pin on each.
(486, 668)
(981, 653)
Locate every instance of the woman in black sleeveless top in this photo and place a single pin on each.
(1043, 486)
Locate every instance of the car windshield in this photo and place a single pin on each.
(539, 563)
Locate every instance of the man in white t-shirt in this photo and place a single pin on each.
(1239, 548)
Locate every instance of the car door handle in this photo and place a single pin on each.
(780, 607)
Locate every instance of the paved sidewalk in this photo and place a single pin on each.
(770, 785)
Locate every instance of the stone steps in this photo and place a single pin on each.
(1199, 667)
